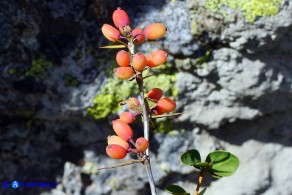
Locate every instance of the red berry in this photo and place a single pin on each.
(127, 117)
(123, 58)
(124, 73)
(122, 129)
(139, 62)
(110, 32)
(155, 31)
(113, 139)
(156, 58)
(139, 36)
(141, 144)
(155, 94)
(165, 105)
(120, 18)
(116, 151)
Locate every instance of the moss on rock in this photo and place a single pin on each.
(115, 90)
(250, 8)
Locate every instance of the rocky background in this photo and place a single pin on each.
(231, 68)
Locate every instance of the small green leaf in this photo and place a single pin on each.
(203, 191)
(176, 190)
(222, 163)
(201, 165)
(191, 157)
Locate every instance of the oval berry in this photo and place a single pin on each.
(141, 144)
(120, 18)
(122, 129)
(155, 31)
(123, 58)
(165, 105)
(116, 151)
(124, 73)
(127, 117)
(155, 94)
(110, 32)
(139, 36)
(156, 58)
(113, 139)
(139, 62)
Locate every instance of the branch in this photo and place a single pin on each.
(145, 113)
(123, 164)
(200, 180)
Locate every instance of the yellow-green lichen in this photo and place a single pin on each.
(71, 81)
(11, 71)
(107, 101)
(38, 67)
(250, 8)
(115, 91)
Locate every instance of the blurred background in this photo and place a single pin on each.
(229, 70)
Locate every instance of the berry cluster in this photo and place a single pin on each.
(120, 145)
(162, 105)
(131, 65)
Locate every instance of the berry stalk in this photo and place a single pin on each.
(145, 113)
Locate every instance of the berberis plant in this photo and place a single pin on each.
(150, 105)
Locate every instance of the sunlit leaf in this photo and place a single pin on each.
(191, 157)
(176, 190)
(222, 163)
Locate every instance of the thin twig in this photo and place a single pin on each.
(129, 162)
(166, 115)
(200, 180)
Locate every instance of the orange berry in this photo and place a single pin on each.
(110, 32)
(141, 144)
(122, 129)
(127, 117)
(139, 36)
(165, 105)
(124, 73)
(139, 62)
(155, 94)
(113, 139)
(155, 31)
(156, 58)
(116, 151)
(120, 18)
(123, 58)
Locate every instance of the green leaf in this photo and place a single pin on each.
(176, 190)
(203, 191)
(191, 157)
(201, 165)
(222, 163)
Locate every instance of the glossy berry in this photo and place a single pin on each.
(116, 151)
(124, 73)
(123, 58)
(113, 139)
(155, 31)
(122, 129)
(141, 144)
(139, 62)
(139, 36)
(127, 117)
(156, 58)
(155, 94)
(165, 105)
(120, 18)
(110, 32)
